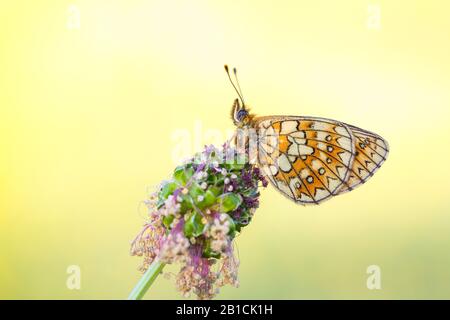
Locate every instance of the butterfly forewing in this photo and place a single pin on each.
(308, 159)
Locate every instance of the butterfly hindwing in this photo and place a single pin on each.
(371, 151)
(308, 159)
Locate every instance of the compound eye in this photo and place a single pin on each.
(241, 114)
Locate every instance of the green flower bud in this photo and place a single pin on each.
(186, 203)
(253, 192)
(208, 200)
(217, 191)
(167, 220)
(229, 202)
(232, 226)
(220, 181)
(195, 191)
(165, 192)
(209, 253)
(235, 166)
(212, 179)
(244, 219)
(168, 189)
(182, 174)
(193, 226)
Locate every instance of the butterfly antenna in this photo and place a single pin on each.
(238, 85)
(235, 88)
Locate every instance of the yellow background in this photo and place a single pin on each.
(87, 117)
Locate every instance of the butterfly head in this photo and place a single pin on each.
(240, 115)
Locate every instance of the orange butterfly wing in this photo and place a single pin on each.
(308, 159)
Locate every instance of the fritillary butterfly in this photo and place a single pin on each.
(311, 159)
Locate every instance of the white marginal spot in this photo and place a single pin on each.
(371, 166)
(345, 157)
(354, 182)
(363, 174)
(341, 172)
(333, 184)
(382, 143)
(305, 198)
(377, 158)
(285, 188)
(383, 152)
(321, 194)
(288, 127)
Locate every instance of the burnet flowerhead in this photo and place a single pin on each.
(194, 217)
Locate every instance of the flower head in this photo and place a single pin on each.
(195, 216)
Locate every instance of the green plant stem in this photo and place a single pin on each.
(146, 281)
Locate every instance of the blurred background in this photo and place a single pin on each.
(97, 98)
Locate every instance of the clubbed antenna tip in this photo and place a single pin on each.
(238, 91)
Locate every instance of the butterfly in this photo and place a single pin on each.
(310, 159)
